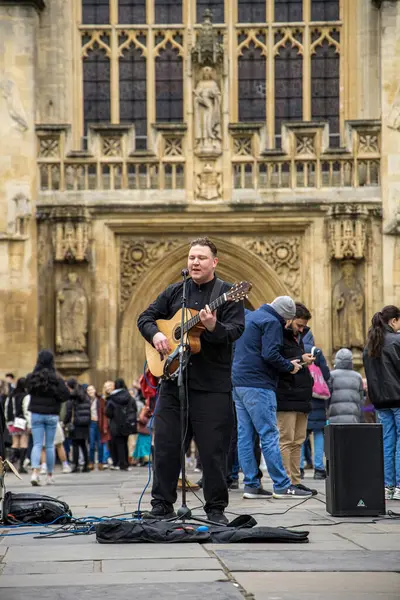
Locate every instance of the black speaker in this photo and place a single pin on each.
(354, 466)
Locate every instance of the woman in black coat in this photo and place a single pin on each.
(47, 391)
(122, 412)
(77, 423)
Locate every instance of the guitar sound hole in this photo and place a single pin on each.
(177, 333)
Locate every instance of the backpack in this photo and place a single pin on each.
(125, 417)
(34, 508)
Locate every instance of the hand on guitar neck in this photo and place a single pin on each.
(208, 318)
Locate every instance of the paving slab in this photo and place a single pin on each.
(108, 579)
(37, 568)
(162, 564)
(314, 586)
(376, 541)
(95, 551)
(164, 591)
(284, 559)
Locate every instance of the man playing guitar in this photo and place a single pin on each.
(210, 411)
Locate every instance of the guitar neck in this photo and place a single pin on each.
(196, 319)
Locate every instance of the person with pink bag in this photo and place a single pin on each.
(320, 396)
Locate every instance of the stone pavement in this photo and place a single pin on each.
(353, 560)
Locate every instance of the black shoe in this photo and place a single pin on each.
(300, 486)
(85, 469)
(217, 516)
(234, 485)
(22, 470)
(76, 470)
(301, 473)
(161, 512)
(319, 474)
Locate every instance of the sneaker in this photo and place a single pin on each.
(234, 485)
(27, 462)
(161, 512)
(103, 466)
(35, 481)
(251, 493)
(292, 492)
(66, 468)
(110, 461)
(389, 491)
(319, 474)
(50, 480)
(396, 494)
(300, 486)
(217, 516)
(43, 469)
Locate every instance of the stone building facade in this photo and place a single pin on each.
(128, 127)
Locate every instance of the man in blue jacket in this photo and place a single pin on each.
(255, 372)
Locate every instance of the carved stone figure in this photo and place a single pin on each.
(14, 104)
(71, 316)
(209, 183)
(348, 310)
(207, 98)
(394, 114)
(208, 50)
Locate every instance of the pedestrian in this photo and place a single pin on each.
(94, 432)
(47, 391)
(122, 413)
(347, 390)
(77, 423)
(294, 395)
(104, 424)
(209, 414)
(18, 420)
(382, 368)
(142, 451)
(258, 361)
(317, 417)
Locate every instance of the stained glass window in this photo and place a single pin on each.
(131, 11)
(252, 85)
(96, 87)
(325, 88)
(216, 7)
(251, 11)
(288, 11)
(169, 85)
(132, 92)
(95, 12)
(168, 11)
(288, 88)
(325, 10)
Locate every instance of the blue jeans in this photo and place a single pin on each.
(256, 413)
(318, 435)
(43, 434)
(390, 419)
(94, 436)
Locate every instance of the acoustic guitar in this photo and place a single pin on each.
(167, 366)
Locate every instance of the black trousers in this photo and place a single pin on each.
(76, 444)
(210, 422)
(119, 451)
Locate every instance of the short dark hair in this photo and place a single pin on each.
(204, 241)
(10, 375)
(302, 312)
(120, 384)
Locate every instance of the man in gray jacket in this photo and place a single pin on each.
(346, 387)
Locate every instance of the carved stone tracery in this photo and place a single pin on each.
(283, 255)
(136, 257)
(348, 232)
(70, 233)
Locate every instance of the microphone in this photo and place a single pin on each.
(185, 272)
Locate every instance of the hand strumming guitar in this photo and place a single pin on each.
(160, 343)
(208, 318)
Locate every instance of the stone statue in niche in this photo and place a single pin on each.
(348, 309)
(71, 316)
(394, 114)
(207, 99)
(208, 183)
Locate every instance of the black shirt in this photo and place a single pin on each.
(210, 369)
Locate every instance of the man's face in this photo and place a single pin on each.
(108, 387)
(201, 264)
(298, 325)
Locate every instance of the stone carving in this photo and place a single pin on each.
(20, 215)
(394, 114)
(283, 255)
(207, 99)
(15, 109)
(348, 309)
(70, 234)
(71, 316)
(136, 257)
(348, 238)
(207, 50)
(209, 183)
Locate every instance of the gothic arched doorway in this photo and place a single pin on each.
(235, 264)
